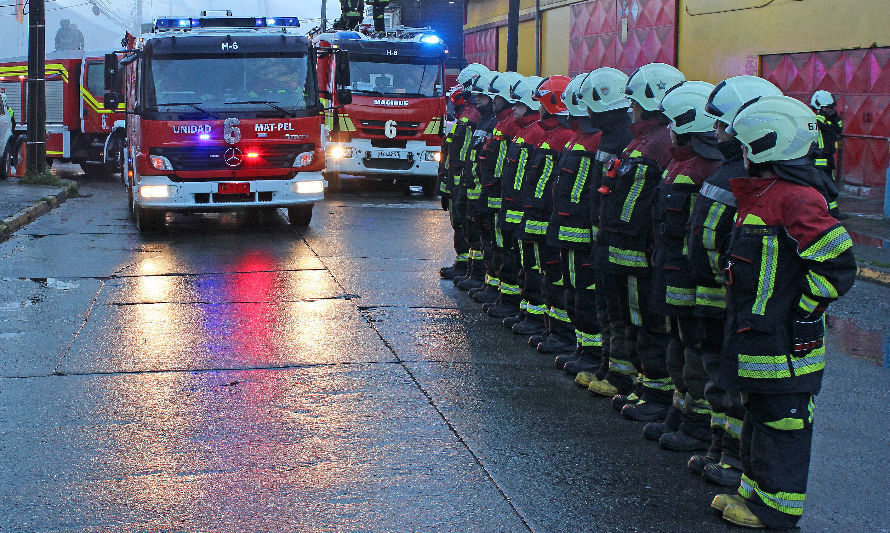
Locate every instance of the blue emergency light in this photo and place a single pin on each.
(431, 39)
(170, 24)
(226, 22)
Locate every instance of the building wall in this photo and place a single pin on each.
(555, 42)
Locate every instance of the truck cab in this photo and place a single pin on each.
(392, 129)
(7, 141)
(222, 113)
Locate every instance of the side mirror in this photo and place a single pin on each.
(112, 72)
(111, 100)
(344, 96)
(341, 75)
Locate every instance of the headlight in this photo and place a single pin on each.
(154, 191)
(341, 152)
(308, 187)
(160, 162)
(304, 159)
(433, 156)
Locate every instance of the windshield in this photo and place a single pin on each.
(407, 78)
(272, 84)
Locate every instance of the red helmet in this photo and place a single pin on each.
(549, 93)
(456, 95)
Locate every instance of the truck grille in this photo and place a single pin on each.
(188, 158)
(378, 127)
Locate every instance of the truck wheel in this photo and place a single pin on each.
(300, 215)
(149, 220)
(6, 161)
(429, 186)
(130, 202)
(334, 183)
(96, 171)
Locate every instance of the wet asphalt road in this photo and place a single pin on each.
(227, 376)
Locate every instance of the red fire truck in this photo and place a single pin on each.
(222, 113)
(79, 128)
(393, 127)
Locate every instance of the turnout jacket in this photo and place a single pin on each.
(615, 127)
(569, 224)
(517, 151)
(476, 201)
(830, 128)
(626, 209)
(537, 187)
(787, 260)
(710, 225)
(673, 289)
(492, 156)
(456, 149)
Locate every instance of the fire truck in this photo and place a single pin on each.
(79, 128)
(392, 129)
(222, 114)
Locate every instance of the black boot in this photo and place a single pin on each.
(562, 360)
(671, 423)
(680, 441)
(487, 295)
(459, 268)
(554, 345)
(722, 474)
(501, 310)
(535, 340)
(589, 361)
(470, 283)
(511, 321)
(697, 463)
(621, 400)
(528, 326)
(644, 411)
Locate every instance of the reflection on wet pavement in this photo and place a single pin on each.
(860, 342)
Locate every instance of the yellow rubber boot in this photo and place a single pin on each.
(740, 515)
(602, 387)
(585, 378)
(721, 501)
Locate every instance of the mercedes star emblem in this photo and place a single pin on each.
(233, 157)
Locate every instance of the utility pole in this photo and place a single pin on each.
(324, 15)
(138, 18)
(36, 144)
(513, 36)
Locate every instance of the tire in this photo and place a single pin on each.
(300, 215)
(149, 220)
(97, 171)
(6, 161)
(429, 186)
(334, 183)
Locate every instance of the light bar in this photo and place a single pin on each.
(226, 22)
(431, 39)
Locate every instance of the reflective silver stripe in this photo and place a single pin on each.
(604, 157)
(715, 193)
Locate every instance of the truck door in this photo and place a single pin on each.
(94, 117)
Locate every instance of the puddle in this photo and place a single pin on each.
(868, 240)
(8, 307)
(11, 335)
(859, 342)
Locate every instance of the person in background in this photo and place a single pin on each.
(379, 6)
(68, 36)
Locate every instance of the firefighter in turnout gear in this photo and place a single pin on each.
(569, 231)
(351, 12)
(788, 259)
(476, 228)
(625, 229)
(542, 147)
(686, 426)
(379, 6)
(457, 148)
(830, 128)
(709, 227)
(506, 253)
(489, 162)
(602, 94)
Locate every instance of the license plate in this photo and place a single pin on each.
(388, 154)
(234, 188)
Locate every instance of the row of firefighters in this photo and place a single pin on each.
(352, 13)
(671, 243)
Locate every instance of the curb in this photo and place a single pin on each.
(24, 217)
(873, 275)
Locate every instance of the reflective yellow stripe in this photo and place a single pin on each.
(790, 503)
(631, 201)
(769, 257)
(763, 366)
(786, 424)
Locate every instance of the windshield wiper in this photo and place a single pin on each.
(190, 104)
(273, 105)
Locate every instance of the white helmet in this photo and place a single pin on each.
(481, 83)
(775, 128)
(821, 99)
(523, 92)
(503, 85)
(685, 106)
(603, 90)
(471, 72)
(731, 94)
(570, 96)
(649, 83)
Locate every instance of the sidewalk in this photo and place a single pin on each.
(20, 204)
(871, 237)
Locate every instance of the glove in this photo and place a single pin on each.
(444, 203)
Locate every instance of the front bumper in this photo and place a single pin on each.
(204, 196)
(412, 161)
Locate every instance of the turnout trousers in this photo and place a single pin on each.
(727, 412)
(624, 365)
(687, 371)
(652, 338)
(532, 282)
(580, 289)
(776, 437)
(457, 213)
(508, 269)
(558, 323)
